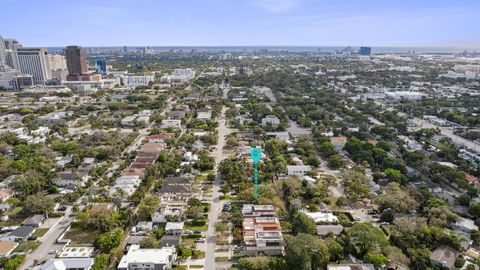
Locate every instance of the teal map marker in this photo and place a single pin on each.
(256, 154)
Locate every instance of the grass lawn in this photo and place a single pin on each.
(26, 246)
(221, 242)
(221, 259)
(191, 227)
(40, 232)
(199, 179)
(80, 237)
(196, 266)
(188, 242)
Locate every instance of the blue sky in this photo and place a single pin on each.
(242, 22)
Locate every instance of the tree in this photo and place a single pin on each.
(291, 186)
(326, 149)
(232, 172)
(356, 184)
(13, 264)
(221, 227)
(335, 162)
(376, 259)
(305, 252)
(37, 204)
(394, 175)
(148, 206)
(365, 237)
(476, 237)
(149, 242)
(225, 188)
(101, 262)
(397, 199)
(109, 240)
(194, 212)
(301, 223)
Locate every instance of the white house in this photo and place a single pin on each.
(171, 123)
(68, 264)
(298, 170)
(174, 228)
(148, 259)
(321, 217)
(270, 119)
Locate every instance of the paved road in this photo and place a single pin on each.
(216, 204)
(449, 133)
(48, 241)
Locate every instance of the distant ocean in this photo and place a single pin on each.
(433, 50)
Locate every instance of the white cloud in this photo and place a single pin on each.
(276, 5)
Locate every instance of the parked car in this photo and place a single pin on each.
(200, 240)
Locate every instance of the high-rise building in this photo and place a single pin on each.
(12, 44)
(3, 53)
(57, 61)
(34, 61)
(365, 51)
(101, 66)
(76, 63)
(12, 59)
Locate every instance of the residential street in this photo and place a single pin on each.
(48, 241)
(216, 204)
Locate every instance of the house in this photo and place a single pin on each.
(20, 234)
(338, 142)
(324, 230)
(142, 227)
(174, 228)
(176, 115)
(170, 240)
(250, 210)
(350, 266)
(160, 138)
(76, 252)
(176, 188)
(71, 178)
(174, 123)
(298, 170)
(68, 264)
(284, 136)
(270, 119)
(322, 217)
(34, 221)
(125, 185)
(142, 258)
(204, 113)
(444, 256)
(262, 236)
(465, 225)
(6, 248)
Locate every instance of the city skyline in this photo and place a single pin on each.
(244, 23)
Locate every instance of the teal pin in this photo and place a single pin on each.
(256, 154)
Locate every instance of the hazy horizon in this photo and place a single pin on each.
(312, 23)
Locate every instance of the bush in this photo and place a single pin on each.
(459, 262)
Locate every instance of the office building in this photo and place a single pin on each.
(101, 66)
(34, 61)
(367, 51)
(76, 64)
